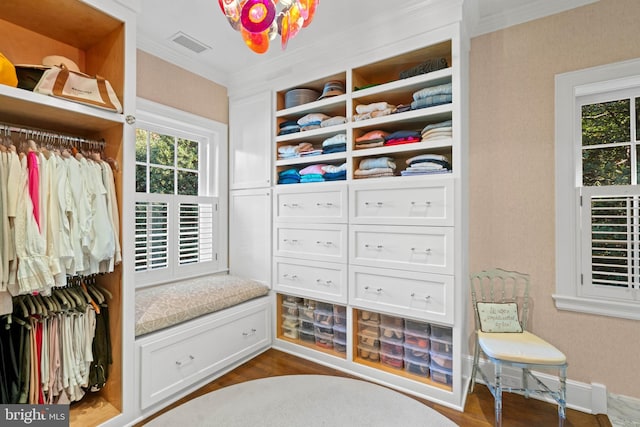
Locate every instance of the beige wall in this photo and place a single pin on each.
(167, 84)
(512, 171)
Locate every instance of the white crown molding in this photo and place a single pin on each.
(134, 5)
(181, 60)
(528, 12)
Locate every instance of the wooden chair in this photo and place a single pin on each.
(504, 348)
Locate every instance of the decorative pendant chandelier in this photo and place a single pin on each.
(259, 21)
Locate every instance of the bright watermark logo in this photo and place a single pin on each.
(34, 415)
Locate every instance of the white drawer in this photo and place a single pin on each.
(402, 203)
(170, 362)
(405, 293)
(315, 242)
(313, 279)
(427, 249)
(326, 203)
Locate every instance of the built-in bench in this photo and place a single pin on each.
(190, 332)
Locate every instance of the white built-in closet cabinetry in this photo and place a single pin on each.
(98, 35)
(389, 249)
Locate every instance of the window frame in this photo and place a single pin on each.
(569, 89)
(164, 119)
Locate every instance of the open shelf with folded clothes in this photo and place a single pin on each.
(328, 171)
(416, 63)
(292, 100)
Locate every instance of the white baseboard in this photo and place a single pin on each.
(589, 398)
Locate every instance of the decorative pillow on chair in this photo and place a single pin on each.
(499, 317)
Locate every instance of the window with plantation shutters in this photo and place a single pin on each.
(597, 192)
(177, 223)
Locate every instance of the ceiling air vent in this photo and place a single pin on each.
(189, 42)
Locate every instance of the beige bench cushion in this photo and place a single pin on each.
(162, 306)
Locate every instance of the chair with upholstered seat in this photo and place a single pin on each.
(501, 303)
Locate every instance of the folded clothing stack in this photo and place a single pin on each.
(375, 109)
(301, 150)
(435, 131)
(289, 176)
(335, 144)
(311, 121)
(312, 173)
(432, 96)
(333, 121)
(427, 164)
(371, 139)
(402, 137)
(375, 167)
(335, 173)
(432, 64)
(290, 126)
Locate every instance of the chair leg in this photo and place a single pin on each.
(525, 382)
(562, 398)
(474, 370)
(498, 396)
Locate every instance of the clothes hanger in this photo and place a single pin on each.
(89, 299)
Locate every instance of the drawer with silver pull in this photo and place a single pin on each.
(173, 359)
(323, 204)
(427, 249)
(405, 293)
(315, 242)
(406, 203)
(313, 279)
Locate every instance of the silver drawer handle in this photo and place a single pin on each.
(246, 334)
(318, 242)
(427, 203)
(426, 251)
(292, 277)
(324, 282)
(179, 362)
(379, 290)
(328, 204)
(376, 204)
(290, 205)
(292, 241)
(428, 297)
(378, 247)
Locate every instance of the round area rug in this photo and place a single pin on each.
(303, 401)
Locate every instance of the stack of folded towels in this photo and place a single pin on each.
(335, 144)
(289, 176)
(402, 137)
(431, 96)
(371, 139)
(435, 131)
(427, 164)
(375, 167)
(333, 121)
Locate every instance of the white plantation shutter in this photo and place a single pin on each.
(610, 233)
(195, 235)
(152, 235)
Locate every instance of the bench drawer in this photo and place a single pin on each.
(170, 362)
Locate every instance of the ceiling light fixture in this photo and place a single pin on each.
(259, 21)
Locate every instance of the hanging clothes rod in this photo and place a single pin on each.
(50, 137)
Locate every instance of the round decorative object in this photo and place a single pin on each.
(232, 12)
(295, 20)
(257, 15)
(257, 42)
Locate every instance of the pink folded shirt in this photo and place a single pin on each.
(313, 169)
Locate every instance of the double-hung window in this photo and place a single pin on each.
(180, 174)
(597, 192)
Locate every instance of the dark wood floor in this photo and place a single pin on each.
(517, 411)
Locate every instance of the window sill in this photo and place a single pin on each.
(602, 308)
